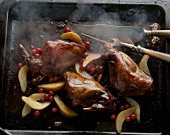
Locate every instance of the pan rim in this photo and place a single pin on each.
(53, 132)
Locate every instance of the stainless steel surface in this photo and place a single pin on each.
(25, 132)
(110, 31)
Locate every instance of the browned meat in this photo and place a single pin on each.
(59, 55)
(87, 92)
(56, 58)
(34, 64)
(126, 76)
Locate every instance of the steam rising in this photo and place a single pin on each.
(94, 13)
(135, 16)
(32, 24)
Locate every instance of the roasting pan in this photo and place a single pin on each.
(33, 22)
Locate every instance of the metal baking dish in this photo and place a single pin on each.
(33, 23)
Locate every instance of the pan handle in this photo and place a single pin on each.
(163, 33)
(156, 54)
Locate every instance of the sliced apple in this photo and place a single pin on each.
(74, 37)
(91, 57)
(37, 96)
(22, 76)
(52, 86)
(133, 103)
(143, 64)
(27, 109)
(64, 110)
(34, 104)
(122, 116)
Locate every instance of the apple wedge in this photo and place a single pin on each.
(73, 36)
(91, 57)
(52, 86)
(64, 110)
(122, 116)
(22, 76)
(37, 96)
(34, 104)
(143, 64)
(133, 103)
(27, 109)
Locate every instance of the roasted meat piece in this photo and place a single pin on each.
(59, 55)
(56, 58)
(126, 76)
(88, 93)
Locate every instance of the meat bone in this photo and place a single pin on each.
(156, 54)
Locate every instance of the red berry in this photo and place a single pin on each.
(133, 116)
(40, 90)
(42, 100)
(51, 80)
(37, 113)
(55, 78)
(34, 51)
(20, 65)
(113, 117)
(127, 106)
(51, 98)
(51, 93)
(127, 119)
(97, 67)
(81, 61)
(37, 55)
(86, 54)
(88, 68)
(54, 110)
(81, 67)
(67, 29)
(92, 70)
(122, 107)
(46, 96)
(87, 44)
(39, 50)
